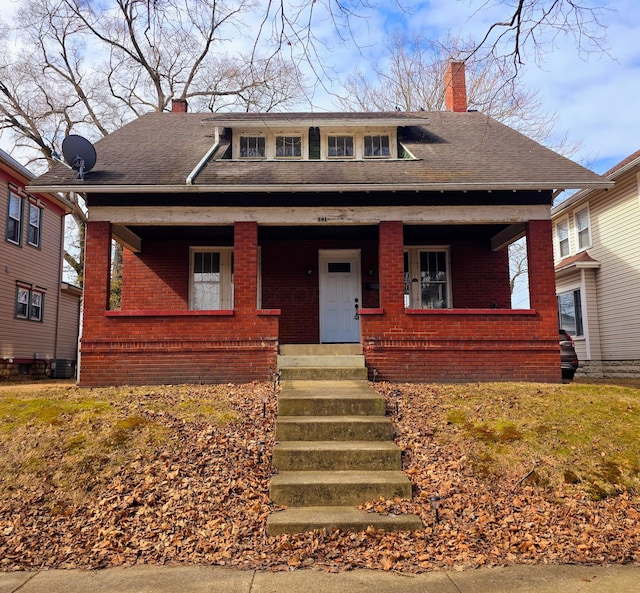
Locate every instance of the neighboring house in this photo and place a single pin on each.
(597, 263)
(243, 232)
(39, 315)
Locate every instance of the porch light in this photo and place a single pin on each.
(309, 270)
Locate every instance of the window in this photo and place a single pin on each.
(288, 146)
(14, 219)
(35, 221)
(211, 279)
(252, 146)
(562, 234)
(426, 278)
(582, 228)
(376, 146)
(29, 303)
(340, 146)
(570, 312)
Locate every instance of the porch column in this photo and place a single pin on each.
(542, 279)
(97, 270)
(245, 274)
(391, 264)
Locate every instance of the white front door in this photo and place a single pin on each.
(339, 294)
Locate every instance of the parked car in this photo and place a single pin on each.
(568, 356)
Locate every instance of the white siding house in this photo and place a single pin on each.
(597, 263)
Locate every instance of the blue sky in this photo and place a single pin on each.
(594, 95)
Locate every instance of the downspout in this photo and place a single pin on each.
(59, 294)
(205, 159)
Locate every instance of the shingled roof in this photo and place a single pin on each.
(160, 152)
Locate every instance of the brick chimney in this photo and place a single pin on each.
(455, 94)
(179, 106)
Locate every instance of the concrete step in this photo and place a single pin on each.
(337, 488)
(299, 520)
(329, 398)
(336, 455)
(317, 361)
(323, 373)
(320, 349)
(333, 428)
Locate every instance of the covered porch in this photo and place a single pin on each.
(426, 301)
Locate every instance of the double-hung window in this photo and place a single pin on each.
(34, 230)
(582, 228)
(426, 278)
(288, 147)
(29, 303)
(252, 147)
(14, 219)
(376, 146)
(570, 312)
(562, 236)
(211, 284)
(340, 146)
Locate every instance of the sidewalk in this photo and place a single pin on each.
(205, 579)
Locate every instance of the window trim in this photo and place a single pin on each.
(578, 311)
(375, 135)
(226, 276)
(562, 221)
(40, 210)
(287, 136)
(255, 136)
(29, 314)
(19, 220)
(578, 230)
(414, 296)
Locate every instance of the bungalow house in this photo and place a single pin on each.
(597, 258)
(245, 232)
(39, 314)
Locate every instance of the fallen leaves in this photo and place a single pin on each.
(200, 495)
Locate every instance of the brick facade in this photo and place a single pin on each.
(155, 338)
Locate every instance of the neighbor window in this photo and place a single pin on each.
(340, 146)
(288, 146)
(14, 219)
(582, 228)
(211, 279)
(562, 234)
(29, 303)
(376, 146)
(252, 146)
(426, 278)
(35, 223)
(570, 312)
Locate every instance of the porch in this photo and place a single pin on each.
(317, 284)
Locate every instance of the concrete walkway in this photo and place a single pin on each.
(205, 579)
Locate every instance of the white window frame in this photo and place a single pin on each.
(226, 277)
(376, 156)
(580, 319)
(413, 298)
(288, 137)
(17, 221)
(586, 229)
(38, 226)
(251, 136)
(31, 300)
(559, 242)
(358, 136)
(270, 143)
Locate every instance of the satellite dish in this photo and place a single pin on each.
(79, 154)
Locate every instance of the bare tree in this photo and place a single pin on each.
(411, 77)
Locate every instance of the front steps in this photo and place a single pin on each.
(334, 451)
(317, 362)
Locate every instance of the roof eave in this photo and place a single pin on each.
(319, 188)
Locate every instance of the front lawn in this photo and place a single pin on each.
(526, 473)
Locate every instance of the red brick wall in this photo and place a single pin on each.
(154, 339)
(473, 344)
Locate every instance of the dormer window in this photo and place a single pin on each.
(376, 146)
(288, 147)
(340, 146)
(252, 147)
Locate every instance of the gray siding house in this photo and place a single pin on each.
(597, 265)
(39, 314)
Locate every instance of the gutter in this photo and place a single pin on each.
(205, 159)
(318, 188)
